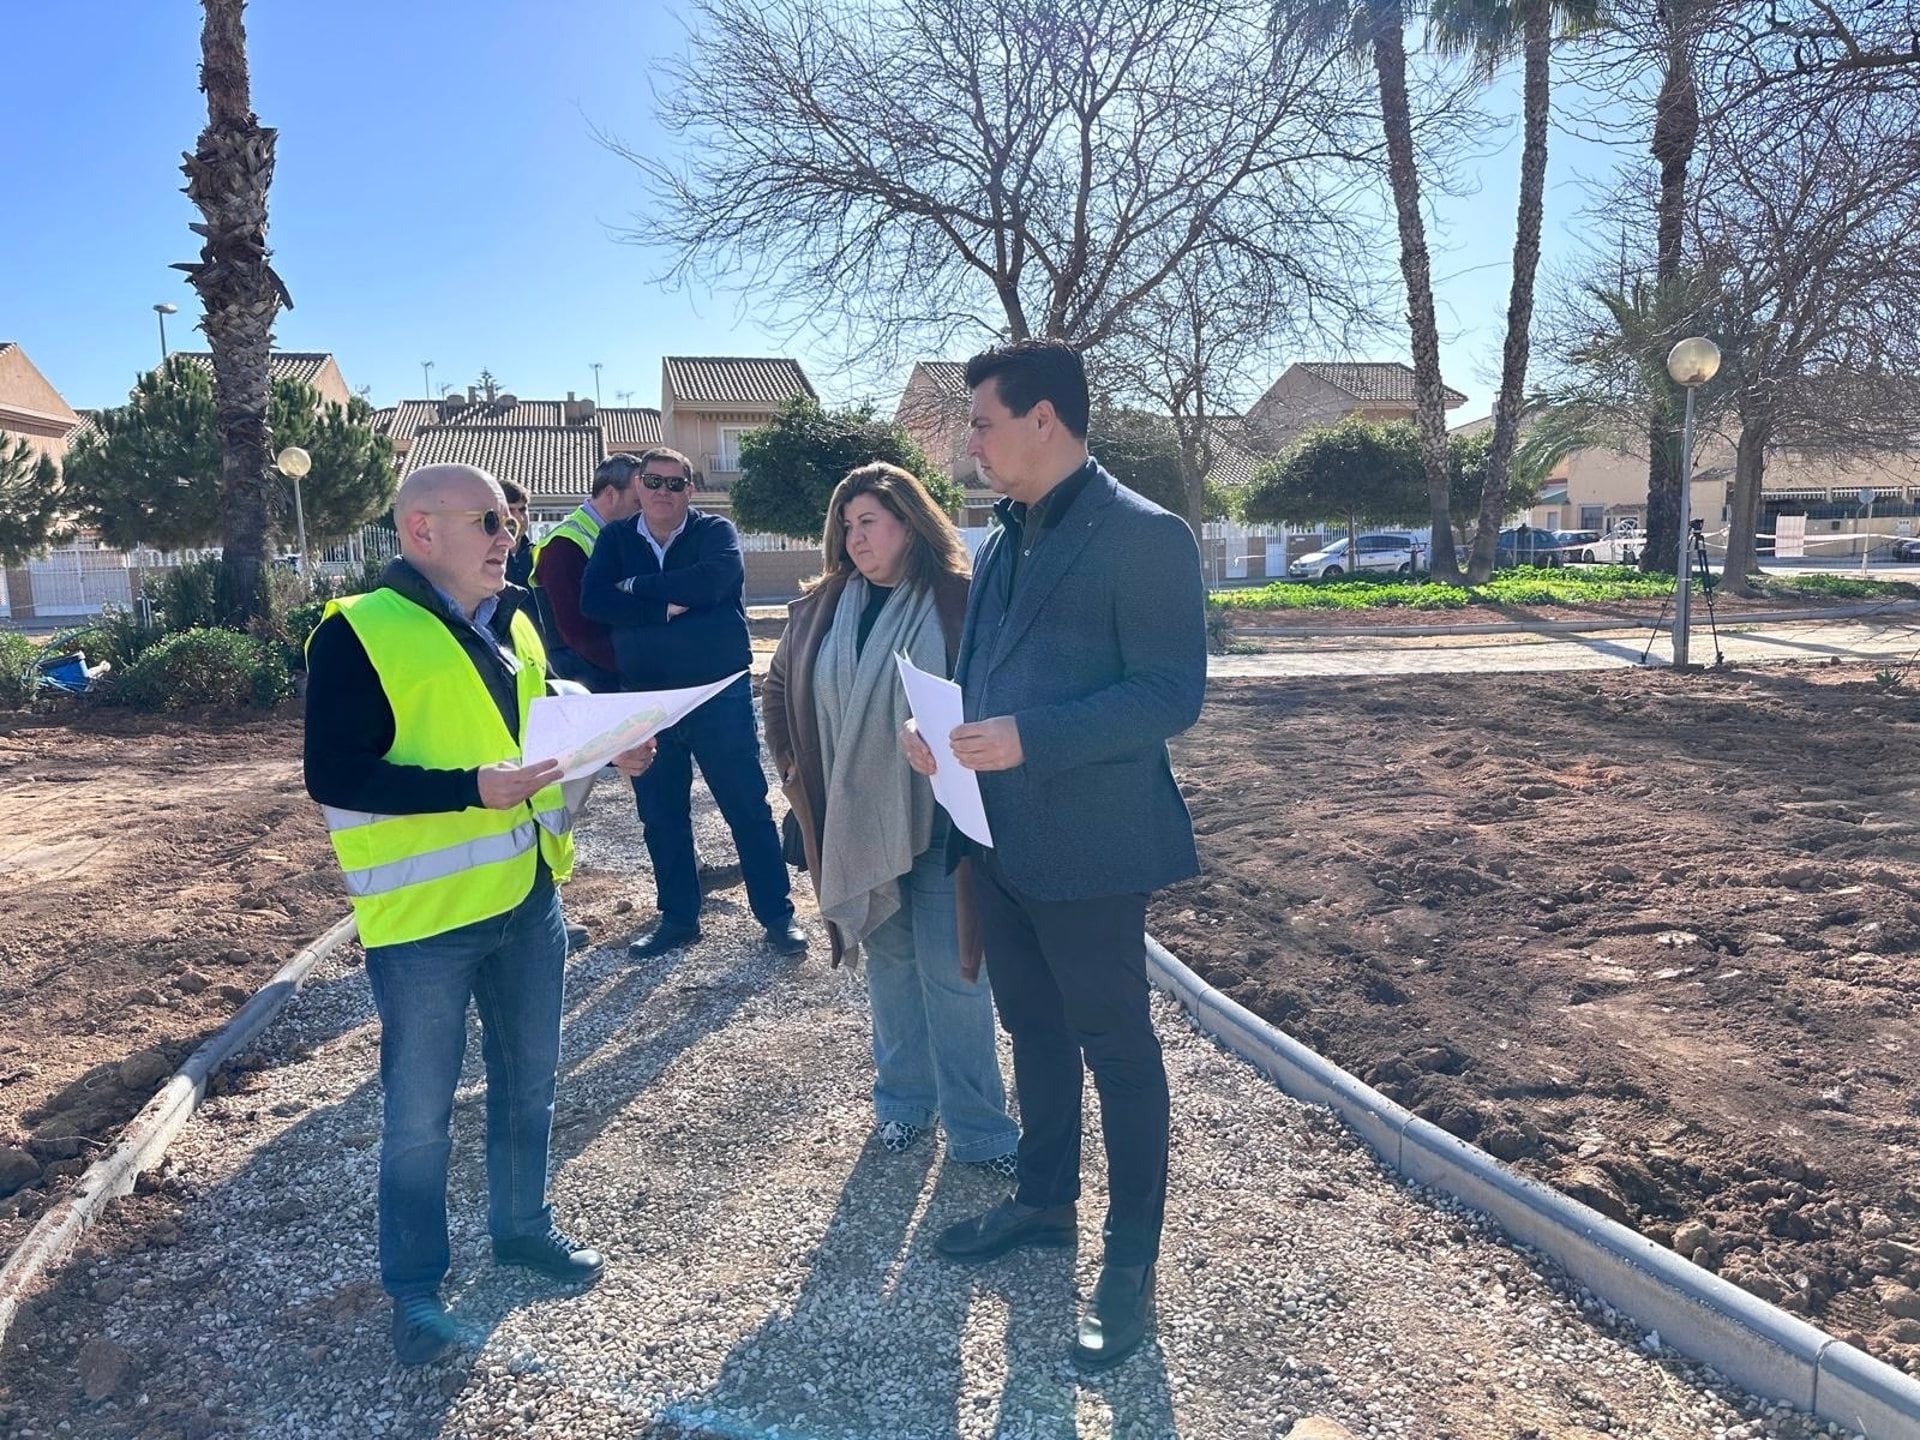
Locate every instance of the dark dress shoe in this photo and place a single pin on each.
(552, 1255)
(1116, 1318)
(788, 939)
(1009, 1226)
(663, 937)
(423, 1332)
(577, 938)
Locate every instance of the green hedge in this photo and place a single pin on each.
(19, 670)
(206, 667)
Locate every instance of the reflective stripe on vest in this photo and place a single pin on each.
(415, 876)
(580, 527)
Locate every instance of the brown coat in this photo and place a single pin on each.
(793, 734)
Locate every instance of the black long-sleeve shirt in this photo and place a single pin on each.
(350, 723)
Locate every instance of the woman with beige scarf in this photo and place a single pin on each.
(894, 581)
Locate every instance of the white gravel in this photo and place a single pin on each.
(771, 1271)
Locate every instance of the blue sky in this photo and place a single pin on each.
(440, 196)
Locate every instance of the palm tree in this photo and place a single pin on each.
(1489, 30)
(1676, 133)
(1379, 27)
(227, 178)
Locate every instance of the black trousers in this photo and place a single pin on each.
(1069, 978)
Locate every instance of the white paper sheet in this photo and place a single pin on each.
(584, 732)
(936, 711)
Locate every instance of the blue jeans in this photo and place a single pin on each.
(722, 737)
(512, 967)
(933, 1045)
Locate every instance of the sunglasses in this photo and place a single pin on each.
(492, 521)
(675, 483)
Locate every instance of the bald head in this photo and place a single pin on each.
(447, 487)
(441, 513)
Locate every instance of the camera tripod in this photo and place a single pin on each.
(1697, 537)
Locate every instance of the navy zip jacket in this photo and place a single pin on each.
(703, 572)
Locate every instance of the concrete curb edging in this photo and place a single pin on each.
(150, 1132)
(1754, 1344)
(1740, 620)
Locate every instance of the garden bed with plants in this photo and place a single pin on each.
(1594, 592)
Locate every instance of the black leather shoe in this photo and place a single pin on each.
(1009, 1226)
(1116, 1318)
(788, 939)
(552, 1255)
(577, 938)
(423, 1332)
(663, 937)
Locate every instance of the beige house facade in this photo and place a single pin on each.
(1312, 393)
(30, 408)
(1595, 488)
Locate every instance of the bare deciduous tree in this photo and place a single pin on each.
(909, 173)
(1804, 229)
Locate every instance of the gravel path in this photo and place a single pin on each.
(771, 1272)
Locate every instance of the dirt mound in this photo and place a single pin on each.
(1649, 938)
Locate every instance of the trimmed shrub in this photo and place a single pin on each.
(19, 670)
(207, 667)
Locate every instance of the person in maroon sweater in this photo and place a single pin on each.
(584, 648)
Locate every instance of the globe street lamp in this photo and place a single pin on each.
(163, 310)
(294, 463)
(1691, 363)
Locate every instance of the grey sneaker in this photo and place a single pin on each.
(899, 1137)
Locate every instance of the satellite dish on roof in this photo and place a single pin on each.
(507, 402)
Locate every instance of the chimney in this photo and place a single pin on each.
(576, 412)
(473, 394)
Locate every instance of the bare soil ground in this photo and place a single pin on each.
(153, 875)
(1651, 938)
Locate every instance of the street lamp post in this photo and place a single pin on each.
(426, 378)
(163, 310)
(596, 384)
(1691, 363)
(294, 463)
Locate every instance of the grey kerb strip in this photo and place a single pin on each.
(1756, 1345)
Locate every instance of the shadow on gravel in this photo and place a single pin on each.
(874, 1342)
(274, 1270)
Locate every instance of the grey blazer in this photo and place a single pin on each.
(1101, 659)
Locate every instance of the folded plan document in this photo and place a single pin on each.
(584, 732)
(936, 711)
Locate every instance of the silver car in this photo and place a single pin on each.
(1391, 554)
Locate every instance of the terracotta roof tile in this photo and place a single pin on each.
(551, 461)
(301, 365)
(720, 380)
(632, 428)
(1389, 382)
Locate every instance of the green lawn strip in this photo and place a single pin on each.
(1594, 585)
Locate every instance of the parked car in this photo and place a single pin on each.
(1390, 553)
(1576, 545)
(1907, 548)
(1621, 545)
(1524, 545)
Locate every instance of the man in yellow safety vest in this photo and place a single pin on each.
(417, 697)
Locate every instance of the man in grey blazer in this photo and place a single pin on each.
(1084, 651)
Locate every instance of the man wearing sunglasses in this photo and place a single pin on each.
(417, 695)
(671, 586)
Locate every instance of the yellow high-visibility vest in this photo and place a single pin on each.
(415, 876)
(581, 528)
